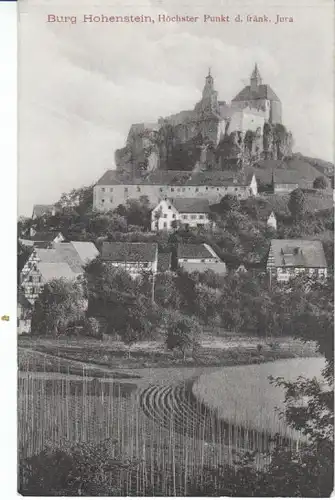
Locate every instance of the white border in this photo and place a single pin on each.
(8, 249)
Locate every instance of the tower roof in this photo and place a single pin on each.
(256, 74)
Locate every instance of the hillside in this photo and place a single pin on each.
(324, 167)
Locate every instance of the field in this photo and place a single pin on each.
(90, 392)
(243, 395)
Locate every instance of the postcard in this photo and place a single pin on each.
(175, 248)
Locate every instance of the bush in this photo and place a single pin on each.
(320, 183)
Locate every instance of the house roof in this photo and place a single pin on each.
(194, 251)
(86, 250)
(201, 267)
(289, 176)
(75, 254)
(56, 270)
(128, 251)
(40, 210)
(191, 205)
(175, 178)
(298, 253)
(164, 262)
(263, 91)
(46, 236)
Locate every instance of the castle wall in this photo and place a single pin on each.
(276, 112)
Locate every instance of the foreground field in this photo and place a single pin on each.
(243, 395)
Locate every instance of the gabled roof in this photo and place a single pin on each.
(262, 92)
(55, 270)
(288, 176)
(298, 253)
(129, 252)
(40, 210)
(46, 236)
(219, 178)
(86, 250)
(195, 251)
(191, 205)
(67, 253)
(201, 267)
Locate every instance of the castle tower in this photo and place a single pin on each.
(255, 79)
(209, 99)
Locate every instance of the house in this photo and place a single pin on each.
(286, 180)
(288, 258)
(133, 257)
(41, 210)
(199, 257)
(43, 239)
(189, 212)
(115, 188)
(24, 313)
(64, 260)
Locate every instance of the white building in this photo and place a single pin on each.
(189, 212)
(201, 258)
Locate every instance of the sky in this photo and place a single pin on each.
(82, 85)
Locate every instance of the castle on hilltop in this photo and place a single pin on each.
(211, 120)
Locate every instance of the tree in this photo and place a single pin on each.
(320, 183)
(61, 304)
(182, 333)
(296, 204)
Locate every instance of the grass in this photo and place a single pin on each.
(221, 349)
(243, 395)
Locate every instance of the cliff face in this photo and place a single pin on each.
(163, 149)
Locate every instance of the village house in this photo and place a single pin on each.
(199, 257)
(43, 239)
(41, 210)
(64, 260)
(115, 188)
(289, 258)
(134, 258)
(285, 180)
(187, 212)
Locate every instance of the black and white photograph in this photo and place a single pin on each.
(175, 248)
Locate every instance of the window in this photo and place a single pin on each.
(178, 190)
(126, 190)
(196, 190)
(169, 207)
(193, 217)
(161, 190)
(165, 216)
(102, 201)
(29, 265)
(165, 224)
(173, 216)
(103, 190)
(39, 279)
(110, 190)
(206, 188)
(236, 189)
(217, 189)
(30, 279)
(183, 190)
(111, 199)
(184, 216)
(172, 190)
(201, 217)
(138, 189)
